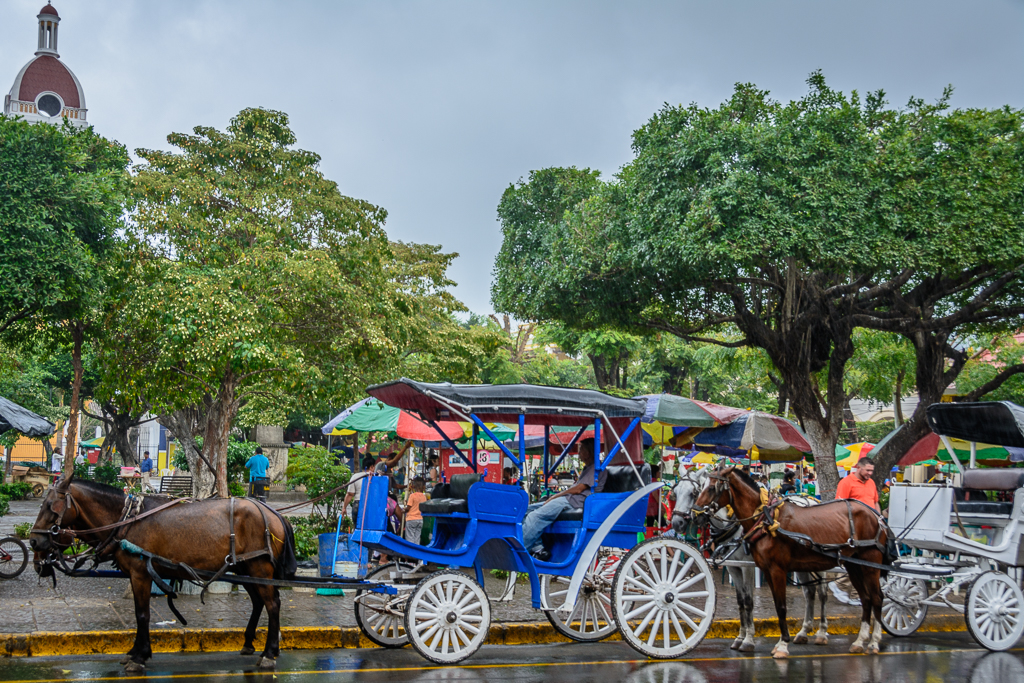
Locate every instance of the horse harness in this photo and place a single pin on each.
(767, 524)
(131, 513)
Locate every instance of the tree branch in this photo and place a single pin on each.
(995, 382)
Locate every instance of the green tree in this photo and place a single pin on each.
(792, 224)
(257, 278)
(61, 201)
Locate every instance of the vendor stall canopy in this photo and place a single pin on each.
(506, 402)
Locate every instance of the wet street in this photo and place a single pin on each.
(950, 658)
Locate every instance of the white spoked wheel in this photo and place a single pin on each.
(992, 611)
(591, 619)
(447, 617)
(903, 609)
(664, 598)
(381, 617)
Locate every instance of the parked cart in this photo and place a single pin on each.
(964, 533)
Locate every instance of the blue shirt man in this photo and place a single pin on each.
(146, 465)
(257, 465)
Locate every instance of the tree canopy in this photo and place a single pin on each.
(791, 223)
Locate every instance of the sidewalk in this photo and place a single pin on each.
(30, 605)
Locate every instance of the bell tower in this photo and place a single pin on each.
(48, 21)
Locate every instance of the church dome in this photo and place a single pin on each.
(48, 74)
(46, 89)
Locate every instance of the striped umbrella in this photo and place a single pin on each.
(775, 439)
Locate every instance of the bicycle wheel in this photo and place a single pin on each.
(13, 557)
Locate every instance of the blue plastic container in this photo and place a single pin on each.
(346, 553)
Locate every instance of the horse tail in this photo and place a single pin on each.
(287, 563)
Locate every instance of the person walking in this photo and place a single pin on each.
(858, 485)
(146, 469)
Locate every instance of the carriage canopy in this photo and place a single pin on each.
(994, 422)
(540, 405)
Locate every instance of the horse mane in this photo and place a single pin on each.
(99, 487)
(746, 479)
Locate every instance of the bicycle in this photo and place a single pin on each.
(13, 557)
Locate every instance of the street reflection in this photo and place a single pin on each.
(667, 672)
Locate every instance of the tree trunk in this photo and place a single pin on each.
(185, 424)
(601, 371)
(851, 422)
(936, 368)
(221, 411)
(77, 332)
(897, 399)
(823, 445)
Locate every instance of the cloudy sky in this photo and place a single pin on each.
(431, 109)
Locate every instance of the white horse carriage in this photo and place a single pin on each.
(959, 537)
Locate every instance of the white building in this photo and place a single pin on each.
(46, 89)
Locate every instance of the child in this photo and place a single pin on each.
(413, 518)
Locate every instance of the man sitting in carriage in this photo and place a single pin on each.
(540, 516)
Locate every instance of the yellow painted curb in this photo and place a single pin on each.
(48, 644)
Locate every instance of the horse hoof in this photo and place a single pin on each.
(266, 663)
(871, 650)
(248, 650)
(857, 649)
(780, 654)
(821, 640)
(126, 659)
(134, 667)
(747, 647)
(736, 644)
(800, 640)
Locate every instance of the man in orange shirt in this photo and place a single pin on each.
(858, 485)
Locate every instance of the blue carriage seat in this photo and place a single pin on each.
(620, 479)
(456, 497)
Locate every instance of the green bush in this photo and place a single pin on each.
(236, 490)
(23, 530)
(15, 491)
(5, 506)
(318, 470)
(873, 432)
(106, 474)
(307, 530)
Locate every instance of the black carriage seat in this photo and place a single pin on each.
(984, 507)
(989, 480)
(621, 479)
(458, 496)
(993, 480)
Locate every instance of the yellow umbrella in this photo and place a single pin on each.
(857, 451)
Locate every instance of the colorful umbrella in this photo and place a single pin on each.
(370, 415)
(853, 452)
(776, 439)
(673, 420)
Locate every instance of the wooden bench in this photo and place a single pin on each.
(179, 487)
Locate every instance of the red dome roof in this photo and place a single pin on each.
(48, 73)
(49, 9)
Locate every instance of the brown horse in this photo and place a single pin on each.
(830, 524)
(193, 532)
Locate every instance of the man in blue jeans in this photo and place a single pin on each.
(540, 516)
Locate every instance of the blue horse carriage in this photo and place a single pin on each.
(595, 578)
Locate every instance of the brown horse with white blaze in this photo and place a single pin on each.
(850, 527)
(196, 533)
